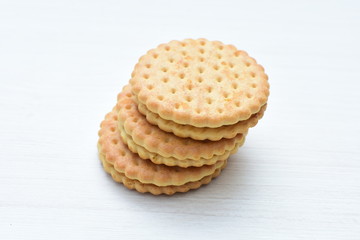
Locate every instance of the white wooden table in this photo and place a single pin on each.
(62, 64)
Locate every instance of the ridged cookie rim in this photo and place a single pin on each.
(124, 160)
(171, 161)
(163, 143)
(133, 184)
(205, 133)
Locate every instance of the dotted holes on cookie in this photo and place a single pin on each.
(148, 131)
(150, 87)
(167, 48)
(209, 89)
(247, 64)
(155, 55)
(219, 110)
(115, 141)
(128, 106)
(201, 59)
(202, 43)
(173, 90)
(188, 98)
(198, 110)
(146, 76)
(236, 75)
(252, 74)
(164, 69)
(200, 79)
(177, 105)
(216, 67)
(160, 98)
(181, 75)
(135, 120)
(209, 101)
(219, 79)
(237, 104)
(122, 153)
(253, 85)
(231, 65)
(189, 87)
(186, 64)
(201, 69)
(115, 117)
(248, 95)
(148, 65)
(226, 95)
(165, 80)
(112, 129)
(171, 60)
(218, 56)
(237, 53)
(234, 85)
(128, 95)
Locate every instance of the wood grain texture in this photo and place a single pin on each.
(63, 63)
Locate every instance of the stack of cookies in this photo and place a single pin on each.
(187, 108)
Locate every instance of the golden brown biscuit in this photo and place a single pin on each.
(153, 189)
(155, 140)
(213, 134)
(116, 153)
(200, 83)
(171, 161)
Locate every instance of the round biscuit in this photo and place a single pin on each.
(213, 134)
(153, 189)
(171, 161)
(112, 148)
(155, 140)
(200, 83)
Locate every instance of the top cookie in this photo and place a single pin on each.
(200, 83)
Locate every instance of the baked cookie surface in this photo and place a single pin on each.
(200, 83)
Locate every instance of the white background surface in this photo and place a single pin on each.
(62, 64)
